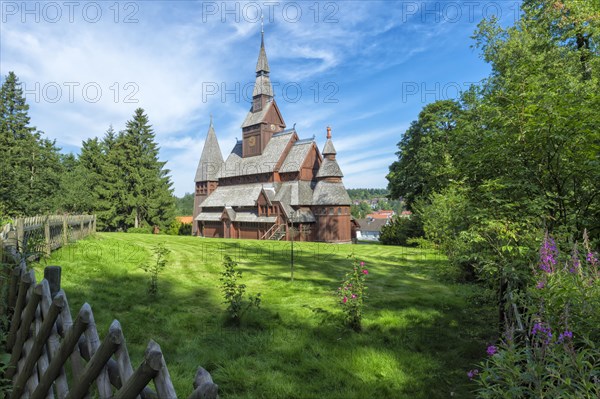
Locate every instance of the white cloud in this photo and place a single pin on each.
(172, 53)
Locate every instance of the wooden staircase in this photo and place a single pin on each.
(276, 232)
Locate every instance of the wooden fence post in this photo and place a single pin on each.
(81, 235)
(65, 232)
(47, 237)
(52, 274)
(20, 233)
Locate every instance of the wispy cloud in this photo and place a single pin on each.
(173, 52)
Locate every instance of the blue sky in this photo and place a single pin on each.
(365, 68)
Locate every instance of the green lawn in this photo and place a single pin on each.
(422, 332)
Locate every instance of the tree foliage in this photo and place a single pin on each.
(184, 205)
(400, 230)
(120, 177)
(425, 153)
(518, 154)
(30, 163)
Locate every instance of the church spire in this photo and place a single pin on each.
(329, 149)
(211, 159)
(262, 65)
(329, 168)
(262, 85)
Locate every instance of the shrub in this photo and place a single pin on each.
(176, 228)
(233, 292)
(400, 230)
(352, 293)
(155, 267)
(557, 354)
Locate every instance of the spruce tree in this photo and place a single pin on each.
(30, 164)
(145, 198)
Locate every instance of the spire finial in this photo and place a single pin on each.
(328, 132)
(262, 30)
(211, 123)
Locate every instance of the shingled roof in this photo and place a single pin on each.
(254, 118)
(262, 64)
(330, 168)
(238, 195)
(329, 149)
(330, 193)
(262, 85)
(295, 158)
(211, 159)
(235, 165)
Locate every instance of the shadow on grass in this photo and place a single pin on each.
(419, 335)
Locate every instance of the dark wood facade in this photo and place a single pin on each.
(271, 181)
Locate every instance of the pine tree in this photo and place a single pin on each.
(30, 164)
(142, 194)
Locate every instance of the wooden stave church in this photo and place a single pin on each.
(271, 180)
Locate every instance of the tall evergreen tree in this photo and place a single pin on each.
(146, 197)
(30, 164)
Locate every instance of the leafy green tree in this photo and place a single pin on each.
(400, 230)
(156, 266)
(234, 293)
(425, 158)
(185, 204)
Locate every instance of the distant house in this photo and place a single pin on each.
(370, 228)
(185, 219)
(380, 215)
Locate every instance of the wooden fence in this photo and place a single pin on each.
(54, 356)
(43, 234)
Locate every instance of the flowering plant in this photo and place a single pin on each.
(557, 353)
(352, 293)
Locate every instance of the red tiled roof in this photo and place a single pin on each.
(185, 219)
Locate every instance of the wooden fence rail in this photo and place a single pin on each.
(54, 356)
(43, 234)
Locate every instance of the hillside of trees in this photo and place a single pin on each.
(184, 205)
(118, 177)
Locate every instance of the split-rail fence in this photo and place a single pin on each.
(53, 355)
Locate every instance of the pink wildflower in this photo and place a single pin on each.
(365, 271)
(344, 300)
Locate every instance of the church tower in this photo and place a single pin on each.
(263, 119)
(207, 173)
(331, 203)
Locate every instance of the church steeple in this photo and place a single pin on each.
(262, 65)
(211, 159)
(263, 119)
(329, 168)
(262, 85)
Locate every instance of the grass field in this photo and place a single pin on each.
(422, 331)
